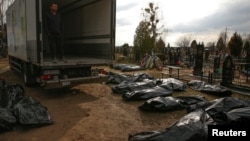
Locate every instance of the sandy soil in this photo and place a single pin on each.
(90, 112)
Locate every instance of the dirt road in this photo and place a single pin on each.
(89, 112)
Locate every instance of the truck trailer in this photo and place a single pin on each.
(89, 41)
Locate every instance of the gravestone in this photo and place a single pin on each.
(177, 56)
(171, 57)
(216, 65)
(174, 58)
(247, 66)
(191, 59)
(190, 55)
(207, 54)
(198, 60)
(125, 51)
(227, 71)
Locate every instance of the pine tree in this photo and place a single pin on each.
(147, 34)
(235, 45)
(143, 42)
(220, 45)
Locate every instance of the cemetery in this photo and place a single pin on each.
(200, 63)
(145, 92)
(215, 69)
(219, 77)
(165, 105)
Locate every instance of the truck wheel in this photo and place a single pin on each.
(4, 98)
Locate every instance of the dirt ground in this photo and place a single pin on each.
(91, 112)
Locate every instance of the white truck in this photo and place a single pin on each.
(89, 41)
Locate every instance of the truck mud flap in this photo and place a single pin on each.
(28, 79)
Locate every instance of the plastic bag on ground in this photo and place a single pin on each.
(127, 67)
(191, 127)
(221, 107)
(129, 87)
(192, 103)
(161, 104)
(146, 94)
(239, 117)
(115, 78)
(31, 112)
(165, 104)
(173, 83)
(10, 95)
(169, 84)
(7, 120)
(208, 88)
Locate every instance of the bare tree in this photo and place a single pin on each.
(193, 47)
(224, 36)
(222, 41)
(211, 46)
(4, 4)
(246, 37)
(149, 32)
(183, 41)
(221, 46)
(153, 18)
(246, 47)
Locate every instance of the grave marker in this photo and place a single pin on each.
(198, 60)
(227, 71)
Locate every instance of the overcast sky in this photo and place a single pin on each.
(202, 20)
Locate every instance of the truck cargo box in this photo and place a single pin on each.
(89, 35)
(89, 30)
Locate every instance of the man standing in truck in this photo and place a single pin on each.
(54, 30)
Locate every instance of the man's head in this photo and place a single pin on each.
(53, 7)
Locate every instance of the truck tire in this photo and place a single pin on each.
(4, 98)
